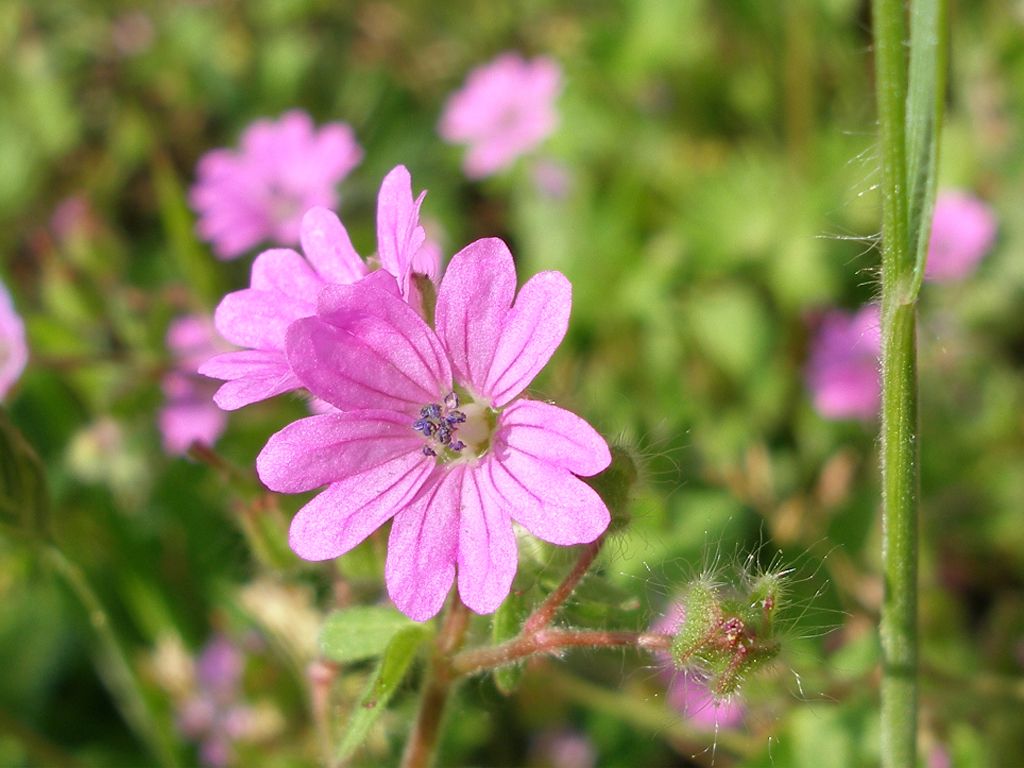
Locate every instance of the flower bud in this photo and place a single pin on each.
(614, 486)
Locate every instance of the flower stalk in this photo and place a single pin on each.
(909, 116)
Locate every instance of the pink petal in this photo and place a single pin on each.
(399, 234)
(530, 334)
(487, 546)
(555, 436)
(368, 349)
(327, 246)
(183, 423)
(283, 271)
(323, 449)
(251, 376)
(258, 319)
(475, 295)
(422, 548)
(350, 510)
(550, 502)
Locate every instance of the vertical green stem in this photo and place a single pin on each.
(899, 532)
(420, 750)
(909, 124)
(121, 677)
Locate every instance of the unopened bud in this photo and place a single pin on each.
(614, 486)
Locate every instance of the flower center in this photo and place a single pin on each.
(452, 431)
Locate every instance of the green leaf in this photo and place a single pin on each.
(386, 678)
(507, 621)
(24, 502)
(925, 101)
(196, 266)
(359, 633)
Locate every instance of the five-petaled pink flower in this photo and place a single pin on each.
(187, 415)
(505, 109)
(963, 231)
(432, 431)
(13, 349)
(284, 288)
(842, 372)
(261, 192)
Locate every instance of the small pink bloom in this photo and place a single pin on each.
(963, 231)
(13, 348)
(432, 432)
(842, 372)
(188, 415)
(691, 698)
(284, 288)
(505, 109)
(261, 191)
(566, 749)
(687, 693)
(213, 715)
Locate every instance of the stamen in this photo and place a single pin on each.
(438, 423)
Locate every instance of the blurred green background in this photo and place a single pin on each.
(722, 171)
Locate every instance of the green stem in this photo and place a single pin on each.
(121, 677)
(899, 534)
(420, 750)
(909, 127)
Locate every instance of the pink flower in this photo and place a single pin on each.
(284, 288)
(432, 432)
(963, 230)
(260, 192)
(689, 696)
(842, 372)
(188, 415)
(504, 110)
(13, 348)
(687, 693)
(213, 715)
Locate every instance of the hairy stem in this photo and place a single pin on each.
(553, 641)
(909, 125)
(422, 745)
(545, 613)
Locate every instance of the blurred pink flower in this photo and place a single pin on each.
(963, 231)
(261, 191)
(686, 692)
(188, 415)
(842, 372)
(432, 432)
(213, 715)
(13, 347)
(284, 288)
(505, 109)
(565, 749)
(552, 179)
(71, 218)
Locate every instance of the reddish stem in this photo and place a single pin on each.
(545, 613)
(550, 641)
(422, 745)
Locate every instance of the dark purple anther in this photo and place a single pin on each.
(455, 417)
(439, 424)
